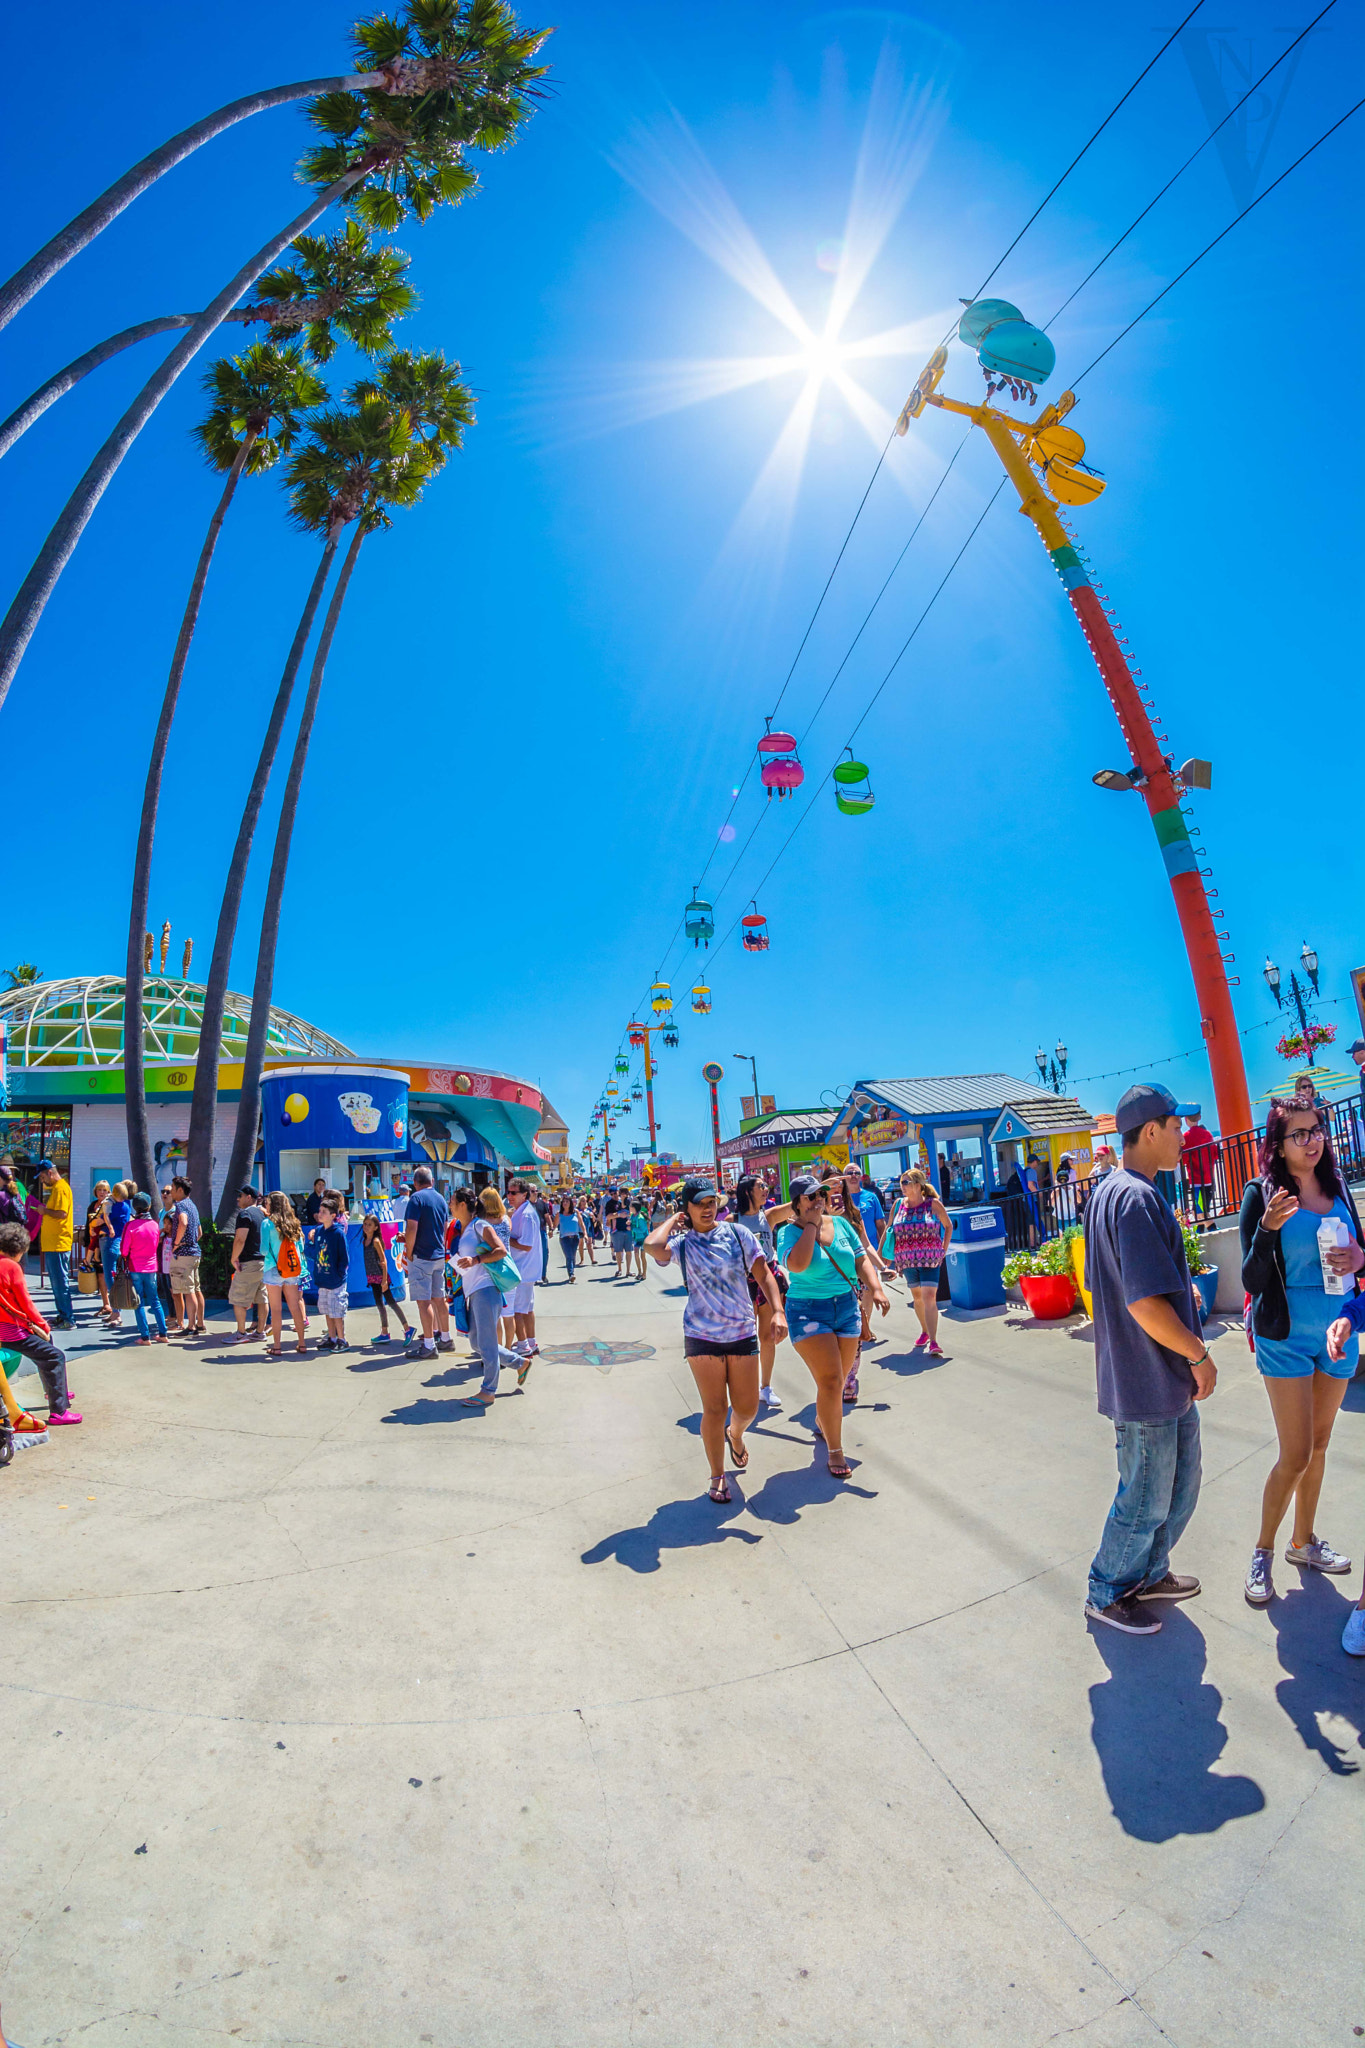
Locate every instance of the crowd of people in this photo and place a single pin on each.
(756, 1271)
(814, 1268)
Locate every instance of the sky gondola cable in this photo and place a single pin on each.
(1210, 246)
(1045, 201)
(1013, 245)
(1223, 233)
(1139, 218)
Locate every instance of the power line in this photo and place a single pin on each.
(1037, 211)
(1189, 160)
(1043, 203)
(881, 685)
(1218, 238)
(1076, 159)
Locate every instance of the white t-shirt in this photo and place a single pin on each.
(525, 1227)
(474, 1238)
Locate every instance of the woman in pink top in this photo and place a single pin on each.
(141, 1239)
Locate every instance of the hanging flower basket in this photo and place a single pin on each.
(1298, 1045)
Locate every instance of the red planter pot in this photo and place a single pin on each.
(1049, 1295)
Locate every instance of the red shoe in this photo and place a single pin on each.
(69, 1415)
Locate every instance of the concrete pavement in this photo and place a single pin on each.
(335, 1713)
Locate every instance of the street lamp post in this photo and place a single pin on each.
(753, 1064)
(1296, 993)
(1052, 1070)
(643, 1031)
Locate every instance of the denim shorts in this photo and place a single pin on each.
(1304, 1351)
(838, 1316)
(920, 1276)
(427, 1279)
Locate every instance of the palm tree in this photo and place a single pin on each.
(358, 464)
(397, 156)
(258, 399)
(437, 407)
(437, 51)
(339, 284)
(23, 974)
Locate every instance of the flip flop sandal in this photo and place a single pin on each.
(740, 1463)
(850, 1390)
(719, 1490)
(839, 1467)
(478, 1400)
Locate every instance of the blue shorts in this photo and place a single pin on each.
(839, 1316)
(921, 1276)
(1304, 1351)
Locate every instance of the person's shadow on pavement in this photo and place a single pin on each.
(783, 1495)
(1156, 1726)
(1322, 1678)
(677, 1525)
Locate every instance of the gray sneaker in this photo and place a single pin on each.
(1258, 1588)
(1125, 1615)
(1319, 1555)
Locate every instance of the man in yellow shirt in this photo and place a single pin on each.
(58, 1235)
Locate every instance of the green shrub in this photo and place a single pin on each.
(215, 1251)
(1194, 1248)
(1052, 1256)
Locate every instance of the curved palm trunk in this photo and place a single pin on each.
(23, 615)
(34, 406)
(83, 229)
(134, 1081)
(57, 386)
(249, 1103)
(204, 1103)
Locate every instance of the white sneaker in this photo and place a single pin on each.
(1353, 1635)
(770, 1398)
(1258, 1588)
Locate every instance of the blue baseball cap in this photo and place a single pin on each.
(1140, 1105)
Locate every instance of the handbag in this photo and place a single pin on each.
(121, 1293)
(86, 1281)
(504, 1275)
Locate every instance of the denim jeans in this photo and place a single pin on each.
(484, 1306)
(109, 1258)
(58, 1266)
(51, 1364)
(568, 1244)
(146, 1297)
(1159, 1473)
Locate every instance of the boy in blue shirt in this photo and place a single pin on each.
(331, 1260)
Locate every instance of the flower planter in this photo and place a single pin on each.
(1078, 1271)
(1206, 1285)
(1049, 1295)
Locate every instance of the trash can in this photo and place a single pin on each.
(976, 1257)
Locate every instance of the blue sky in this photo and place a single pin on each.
(550, 677)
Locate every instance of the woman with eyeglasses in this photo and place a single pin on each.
(1286, 1268)
(827, 1264)
(922, 1231)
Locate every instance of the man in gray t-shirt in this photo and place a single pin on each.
(1151, 1366)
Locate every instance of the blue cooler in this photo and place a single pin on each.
(976, 1257)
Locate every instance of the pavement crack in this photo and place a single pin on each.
(609, 1862)
(1221, 1919)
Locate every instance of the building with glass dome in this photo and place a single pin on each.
(61, 1084)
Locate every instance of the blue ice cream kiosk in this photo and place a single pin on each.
(320, 1117)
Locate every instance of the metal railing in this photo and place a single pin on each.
(1206, 1188)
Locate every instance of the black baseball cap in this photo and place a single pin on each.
(803, 1184)
(1356, 1045)
(1140, 1105)
(697, 1191)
